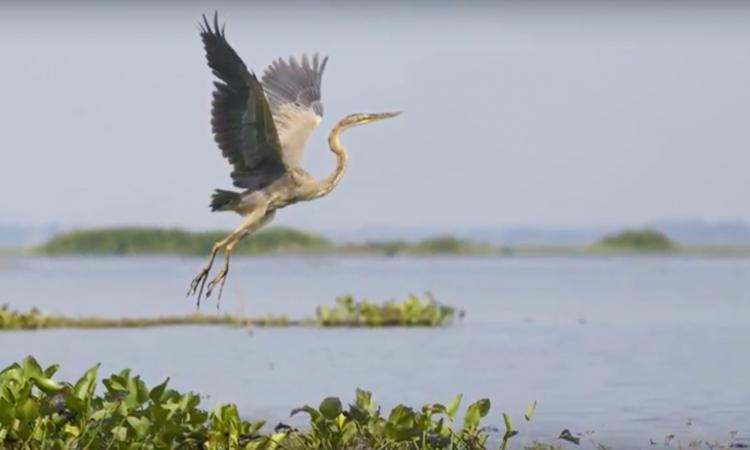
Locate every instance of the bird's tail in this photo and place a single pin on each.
(222, 200)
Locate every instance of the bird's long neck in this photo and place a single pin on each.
(327, 184)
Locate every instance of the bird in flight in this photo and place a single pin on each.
(261, 127)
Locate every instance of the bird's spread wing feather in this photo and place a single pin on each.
(293, 91)
(241, 117)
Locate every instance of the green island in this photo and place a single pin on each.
(645, 240)
(412, 311)
(284, 240)
(122, 412)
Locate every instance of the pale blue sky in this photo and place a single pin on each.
(566, 116)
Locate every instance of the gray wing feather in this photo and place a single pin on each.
(295, 82)
(293, 92)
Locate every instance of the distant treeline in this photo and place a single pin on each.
(149, 240)
(639, 240)
(152, 240)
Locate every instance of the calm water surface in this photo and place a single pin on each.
(629, 347)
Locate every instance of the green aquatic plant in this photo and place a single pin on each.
(35, 319)
(39, 412)
(361, 426)
(412, 311)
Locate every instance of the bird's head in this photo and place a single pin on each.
(353, 120)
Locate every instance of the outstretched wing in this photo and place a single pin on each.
(241, 118)
(293, 90)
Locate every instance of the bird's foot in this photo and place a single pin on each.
(218, 280)
(198, 283)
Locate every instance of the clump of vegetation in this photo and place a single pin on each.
(638, 240)
(388, 248)
(446, 245)
(438, 245)
(35, 320)
(38, 412)
(163, 241)
(145, 240)
(347, 312)
(412, 311)
(121, 412)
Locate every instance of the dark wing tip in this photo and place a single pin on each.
(323, 65)
(208, 29)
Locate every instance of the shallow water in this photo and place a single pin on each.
(632, 348)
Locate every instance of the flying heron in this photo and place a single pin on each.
(261, 128)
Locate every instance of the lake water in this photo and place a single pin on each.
(632, 348)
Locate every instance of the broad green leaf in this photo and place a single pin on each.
(475, 412)
(113, 386)
(51, 370)
(437, 408)
(47, 385)
(7, 412)
(255, 426)
(506, 420)
(7, 393)
(358, 414)
(401, 416)
(509, 431)
(71, 430)
(157, 394)
(84, 387)
(529, 411)
(120, 433)
(484, 406)
(314, 413)
(137, 392)
(139, 425)
(274, 440)
(11, 371)
(28, 410)
(363, 398)
(330, 407)
(31, 368)
(101, 414)
(452, 407)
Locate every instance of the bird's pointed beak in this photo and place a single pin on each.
(386, 115)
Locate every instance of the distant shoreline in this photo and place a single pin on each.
(144, 241)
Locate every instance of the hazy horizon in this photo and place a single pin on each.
(539, 115)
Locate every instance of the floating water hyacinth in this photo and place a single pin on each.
(37, 411)
(412, 311)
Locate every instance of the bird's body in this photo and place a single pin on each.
(261, 127)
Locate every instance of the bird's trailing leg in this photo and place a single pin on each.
(200, 280)
(252, 222)
(221, 277)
